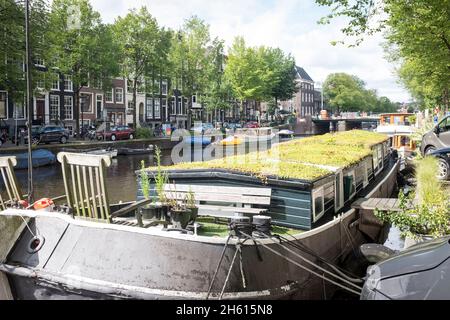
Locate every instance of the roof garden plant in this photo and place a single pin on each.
(305, 159)
(425, 212)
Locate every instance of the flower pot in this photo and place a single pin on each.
(410, 241)
(148, 212)
(180, 218)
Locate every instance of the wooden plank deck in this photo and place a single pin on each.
(384, 204)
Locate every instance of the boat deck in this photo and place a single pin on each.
(383, 204)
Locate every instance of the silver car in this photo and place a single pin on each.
(437, 138)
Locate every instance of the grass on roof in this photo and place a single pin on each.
(306, 159)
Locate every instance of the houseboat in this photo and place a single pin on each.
(400, 130)
(309, 183)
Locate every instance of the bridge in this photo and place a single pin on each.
(309, 125)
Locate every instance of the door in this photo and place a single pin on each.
(141, 112)
(40, 110)
(99, 105)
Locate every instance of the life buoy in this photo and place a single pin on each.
(23, 203)
(43, 204)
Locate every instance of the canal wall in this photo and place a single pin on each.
(162, 143)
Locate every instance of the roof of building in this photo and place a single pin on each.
(303, 74)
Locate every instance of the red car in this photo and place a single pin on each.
(116, 133)
(252, 124)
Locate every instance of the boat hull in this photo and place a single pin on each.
(89, 260)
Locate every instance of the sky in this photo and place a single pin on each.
(288, 24)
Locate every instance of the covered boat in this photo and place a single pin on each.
(77, 257)
(40, 158)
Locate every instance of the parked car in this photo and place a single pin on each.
(443, 156)
(252, 124)
(116, 133)
(437, 138)
(232, 125)
(48, 134)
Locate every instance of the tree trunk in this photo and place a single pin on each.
(134, 104)
(76, 111)
(242, 116)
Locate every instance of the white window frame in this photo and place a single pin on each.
(65, 108)
(157, 114)
(96, 101)
(112, 97)
(58, 85)
(50, 106)
(149, 108)
(339, 199)
(352, 173)
(23, 108)
(317, 193)
(68, 78)
(164, 85)
(115, 95)
(6, 103)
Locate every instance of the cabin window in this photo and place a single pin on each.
(338, 191)
(380, 157)
(366, 174)
(349, 185)
(318, 204)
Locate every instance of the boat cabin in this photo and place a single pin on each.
(399, 128)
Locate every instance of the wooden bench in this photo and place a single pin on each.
(221, 201)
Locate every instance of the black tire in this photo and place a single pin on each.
(113, 137)
(429, 150)
(131, 136)
(63, 140)
(444, 169)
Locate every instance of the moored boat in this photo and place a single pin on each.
(40, 158)
(134, 151)
(312, 201)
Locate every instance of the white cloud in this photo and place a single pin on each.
(288, 24)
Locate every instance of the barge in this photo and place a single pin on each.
(77, 258)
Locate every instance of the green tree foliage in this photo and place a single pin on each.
(418, 36)
(80, 46)
(139, 38)
(345, 92)
(12, 43)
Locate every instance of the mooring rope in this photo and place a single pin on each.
(308, 269)
(238, 248)
(351, 277)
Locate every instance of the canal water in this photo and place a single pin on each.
(121, 180)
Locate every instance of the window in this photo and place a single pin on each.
(149, 108)
(68, 85)
(129, 86)
(172, 106)
(98, 83)
(179, 105)
(3, 105)
(387, 120)
(19, 108)
(156, 87)
(40, 82)
(140, 87)
(338, 194)
(55, 84)
(318, 204)
(157, 109)
(164, 87)
(85, 103)
(444, 125)
(54, 107)
(109, 96)
(70, 129)
(68, 108)
(39, 61)
(119, 95)
(349, 185)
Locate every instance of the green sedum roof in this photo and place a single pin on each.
(304, 159)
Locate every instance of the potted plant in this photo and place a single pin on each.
(191, 205)
(180, 215)
(152, 210)
(161, 179)
(424, 214)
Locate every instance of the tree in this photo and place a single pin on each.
(244, 73)
(190, 58)
(418, 37)
(344, 92)
(138, 36)
(81, 46)
(284, 85)
(12, 44)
